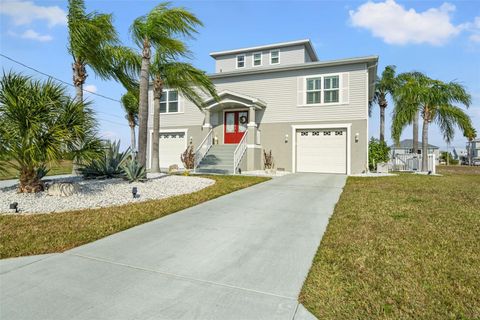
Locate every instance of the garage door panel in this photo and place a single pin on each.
(171, 146)
(322, 150)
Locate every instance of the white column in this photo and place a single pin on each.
(207, 119)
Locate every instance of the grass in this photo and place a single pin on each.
(57, 232)
(405, 247)
(63, 167)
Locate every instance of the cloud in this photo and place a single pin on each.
(396, 25)
(90, 88)
(25, 12)
(474, 29)
(33, 35)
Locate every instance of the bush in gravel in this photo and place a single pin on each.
(109, 165)
(134, 171)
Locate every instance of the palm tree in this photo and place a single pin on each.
(39, 125)
(384, 86)
(470, 134)
(159, 27)
(93, 41)
(130, 106)
(187, 80)
(434, 100)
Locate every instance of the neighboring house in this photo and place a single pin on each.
(475, 149)
(312, 115)
(406, 147)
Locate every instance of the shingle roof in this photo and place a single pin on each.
(408, 144)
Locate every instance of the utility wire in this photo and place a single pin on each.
(71, 85)
(55, 78)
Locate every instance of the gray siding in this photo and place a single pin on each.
(288, 55)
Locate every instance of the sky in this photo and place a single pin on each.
(441, 39)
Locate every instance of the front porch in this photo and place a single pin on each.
(231, 121)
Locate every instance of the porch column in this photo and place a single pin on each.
(251, 140)
(207, 119)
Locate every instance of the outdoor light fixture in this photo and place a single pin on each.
(286, 138)
(357, 136)
(134, 192)
(14, 206)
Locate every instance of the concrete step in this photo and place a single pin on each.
(214, 171)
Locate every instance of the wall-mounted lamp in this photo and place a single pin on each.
(357, 137)
(215, 140)
(286, 138)
(191, 140)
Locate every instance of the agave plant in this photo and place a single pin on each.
(134, 172)
(109, 165)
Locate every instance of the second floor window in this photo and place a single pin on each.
(274, 56)
(169, 101)
(314, 90)
(241, 61)
(257, 59)
(331, 89)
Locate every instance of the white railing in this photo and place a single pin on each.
(203, 148)
(239, 151)
(412, 162)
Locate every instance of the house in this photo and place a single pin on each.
(312, 114)
(473, 149)
(406, 147)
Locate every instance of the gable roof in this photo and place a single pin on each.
(306, 42)
(408, 144)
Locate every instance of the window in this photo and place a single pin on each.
(331, 89)
(241, 61)
(169, 101)
(321, 90)
(314, 90)
(274, 56)
(257, 59)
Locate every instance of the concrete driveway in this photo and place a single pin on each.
(242, 256)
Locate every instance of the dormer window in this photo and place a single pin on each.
(275, 57)
(257, 59)
(240, 61)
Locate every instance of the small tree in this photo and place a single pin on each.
(39, 125)
(188, 157)
(378, 151)
(268, 162)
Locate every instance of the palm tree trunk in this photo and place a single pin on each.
(143, 104)
(415, 133)
(382, 123)
(425, 145)
(157, 94)
(132, 137)
(79, 77)
(28, 181)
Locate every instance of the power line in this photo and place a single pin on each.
(57, 79)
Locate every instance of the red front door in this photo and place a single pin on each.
(235, 125)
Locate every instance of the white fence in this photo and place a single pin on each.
(239, 151)
(412, 162)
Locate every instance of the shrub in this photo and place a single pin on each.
(109, 165)
(378, 151)
(188, 157)
(268, 162)
(134, 171)
(447, 155)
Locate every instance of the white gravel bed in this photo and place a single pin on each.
(101, 193)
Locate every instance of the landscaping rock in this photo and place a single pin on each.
(173, 168)
(63, 189)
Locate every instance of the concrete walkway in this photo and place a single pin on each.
(242, 256)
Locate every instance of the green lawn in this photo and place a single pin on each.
(63, 167)
(405, 247)
(56, 232)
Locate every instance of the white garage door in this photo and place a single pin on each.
(172, 145)
(322, 150)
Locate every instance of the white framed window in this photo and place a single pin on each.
(169, 102)
(240, 61)
(257, 59)
(314, 90)
(331, 89)
(274, 56)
